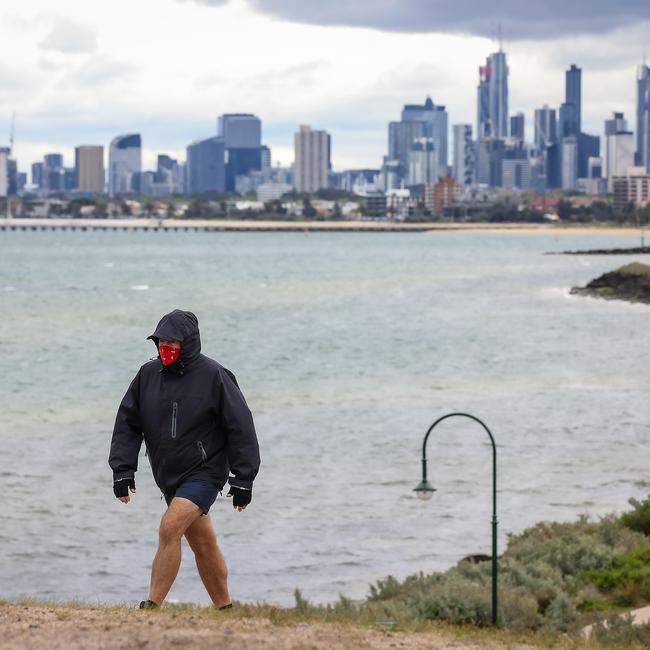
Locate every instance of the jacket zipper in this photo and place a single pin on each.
(174, 414)
(199, 444)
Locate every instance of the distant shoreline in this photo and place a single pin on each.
(234, 225)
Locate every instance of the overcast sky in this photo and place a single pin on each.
(81, 71)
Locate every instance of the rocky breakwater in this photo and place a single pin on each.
(631, 282)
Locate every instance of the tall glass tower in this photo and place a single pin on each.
(499, 94)
(642, 153)
(492, 104)
(573, 92)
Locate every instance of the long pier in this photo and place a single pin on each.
(133, 224)
(208, 225)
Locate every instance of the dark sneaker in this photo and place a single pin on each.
(228, 606)
(148, 604)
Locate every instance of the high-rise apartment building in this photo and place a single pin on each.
(619, 149)
(206, 169)
(89, 168)
(311, 159)
(642, 153)
(464, 163)
(573, 93)
(492, 104)
(124, 164)
(569, 162)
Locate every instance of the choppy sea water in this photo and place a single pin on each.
(347, 347)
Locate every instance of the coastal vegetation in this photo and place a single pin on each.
(554, 579)
(630, 282)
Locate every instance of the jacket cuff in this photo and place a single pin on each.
(240, 483)
(120, 476)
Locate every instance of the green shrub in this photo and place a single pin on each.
(627, 579)
(639, 518)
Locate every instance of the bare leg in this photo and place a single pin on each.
(180, 515)
(209, 560)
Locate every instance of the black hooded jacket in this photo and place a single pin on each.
(191, 414)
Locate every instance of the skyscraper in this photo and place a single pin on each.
(499, 95)
(400, 137)
(53, 172)
(124, 164)
(242, 138)
(435, 126)
(545, 127)
(37, 174)
(568, 121)
(464, 164)
(423, 162)
(206, 170)
(483, 102)
(619, 149)
(573, 92)
(492, 104)
(615, 124)
(517, 126)
(4, 173)
(642, 154)
(312, 159)
(569, 162)
(89, 168)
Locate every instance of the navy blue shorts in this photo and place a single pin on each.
(202, 493)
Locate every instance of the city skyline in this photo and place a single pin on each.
(69, 87)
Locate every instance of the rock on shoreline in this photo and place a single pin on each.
(631, 282)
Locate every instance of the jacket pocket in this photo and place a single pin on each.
(204, 456)
(174, 417)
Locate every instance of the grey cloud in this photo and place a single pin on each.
(544, 19)
(69, 37)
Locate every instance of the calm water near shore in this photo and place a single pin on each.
(347, 346)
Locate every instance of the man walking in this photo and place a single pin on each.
(197, 428)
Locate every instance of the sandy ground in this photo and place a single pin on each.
(38, 627)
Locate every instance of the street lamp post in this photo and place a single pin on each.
(425, 491)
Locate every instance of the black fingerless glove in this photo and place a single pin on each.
(240, 497)
(121, 486)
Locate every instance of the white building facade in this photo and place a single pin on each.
(312, 159)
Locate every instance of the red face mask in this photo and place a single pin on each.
(168, 354)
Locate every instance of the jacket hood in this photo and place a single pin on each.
(180, 326)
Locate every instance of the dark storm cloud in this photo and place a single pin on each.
(543, 19)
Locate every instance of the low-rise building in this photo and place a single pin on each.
(633, 188)
(439, 196)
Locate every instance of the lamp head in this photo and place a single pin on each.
(424, 490)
